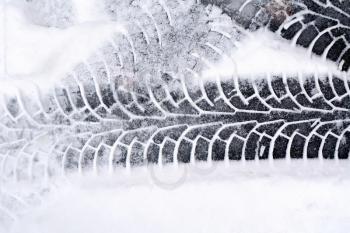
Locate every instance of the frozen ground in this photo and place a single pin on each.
(300, 197)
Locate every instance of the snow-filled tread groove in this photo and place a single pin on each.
(321, 26)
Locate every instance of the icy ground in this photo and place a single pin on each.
(298, 197)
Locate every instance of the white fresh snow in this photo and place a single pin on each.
(283, 198)
(88, 10)
(262, 52)
(41, 53)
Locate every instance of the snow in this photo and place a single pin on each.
(53, 13)
(44, 54)
(295, 197)
(262, 52)
(86, 11)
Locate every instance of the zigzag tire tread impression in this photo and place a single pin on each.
(321, 26)
(134, 103)
(106, 99)
(99, 90)
(234, 119)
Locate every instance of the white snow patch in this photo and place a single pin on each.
(262, 52)
(254, 198)
(89, 10)
(46, 53)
